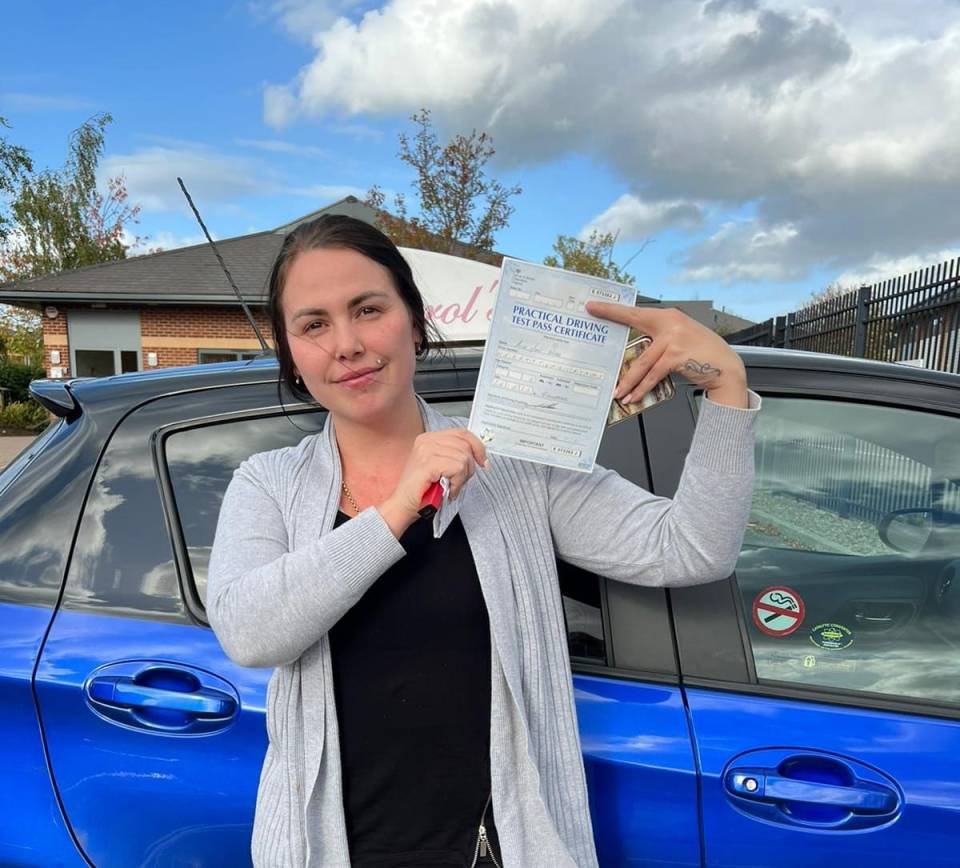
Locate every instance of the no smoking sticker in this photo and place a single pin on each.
(778, 611)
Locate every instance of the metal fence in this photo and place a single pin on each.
(911, 318)
(847, 476)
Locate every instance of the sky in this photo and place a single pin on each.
(745, 151)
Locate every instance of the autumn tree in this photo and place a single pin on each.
(828, 293)
(591, 256)
(458, 203)
(14, 164)
(60, 220)
(21, 336)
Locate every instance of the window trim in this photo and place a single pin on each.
(729, 666)
(181, 555)
(184, 568)
(238, 356)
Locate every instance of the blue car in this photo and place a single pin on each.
(806, 711)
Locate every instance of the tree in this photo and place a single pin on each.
(14, 164)
(828, 293)
(60, 220)
(593, 256)
(21, 336)
(458, 203)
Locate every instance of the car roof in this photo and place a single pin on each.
(776, 357)
(134, 388)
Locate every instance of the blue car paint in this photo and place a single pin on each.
(918, 756)
(141, 794)
(640, 772)
(32, 830)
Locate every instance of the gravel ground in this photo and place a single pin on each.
(785, 521)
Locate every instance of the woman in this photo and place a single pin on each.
(422, 691)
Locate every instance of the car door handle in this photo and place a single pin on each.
(123, 692)
(861, 618)
(766, 785)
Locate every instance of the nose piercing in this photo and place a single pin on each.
(379, 363)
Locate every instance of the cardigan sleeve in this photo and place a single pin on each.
(606, 524)
(268, 604)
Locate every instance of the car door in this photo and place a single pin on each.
(638, 758)
(40, 494)
(155, 738)
(639, 763)
(823, 681)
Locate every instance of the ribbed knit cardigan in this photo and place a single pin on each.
(280, 576)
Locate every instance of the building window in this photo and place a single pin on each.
(212, 357)
(129, 361)
(95, 363)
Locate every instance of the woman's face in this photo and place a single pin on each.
(350, 334)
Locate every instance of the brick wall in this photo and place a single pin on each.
(55, 338)
(210, 322)
(168, 357)
(175, 334)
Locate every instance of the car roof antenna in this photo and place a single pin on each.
(226, 271)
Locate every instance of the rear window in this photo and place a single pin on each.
(33, 448)
(201, 462)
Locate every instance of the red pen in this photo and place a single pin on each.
(431, 500)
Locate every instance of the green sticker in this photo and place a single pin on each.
(833, 637)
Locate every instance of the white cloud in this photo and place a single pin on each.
(302, 19)
(38, 102)
(835, 127)
(279, 105)
(275, 146)
(214, 179)
(880, 268)
(745, 251)
(161, 241)
(630, 217)
(326, 193)
(211, 177)
(356, 131)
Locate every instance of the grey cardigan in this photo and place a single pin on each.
(280, 577)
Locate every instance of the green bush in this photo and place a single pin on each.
(16, 378)
(23, 416)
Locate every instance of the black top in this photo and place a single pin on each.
(411, 675)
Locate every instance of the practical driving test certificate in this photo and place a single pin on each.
(549, 368)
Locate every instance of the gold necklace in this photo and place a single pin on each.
(350, 498)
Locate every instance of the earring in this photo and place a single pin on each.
(298, 381)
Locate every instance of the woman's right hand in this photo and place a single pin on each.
(452, 453)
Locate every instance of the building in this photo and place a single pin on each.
(720, 321)
(159, 310)
(177, 308)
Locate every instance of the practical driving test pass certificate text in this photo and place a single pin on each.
(549, 368)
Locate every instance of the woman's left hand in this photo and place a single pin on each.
(680, 345)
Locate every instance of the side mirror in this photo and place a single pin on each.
(910, 530)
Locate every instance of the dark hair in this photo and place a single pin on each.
(340, 231)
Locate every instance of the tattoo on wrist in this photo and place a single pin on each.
(697, 370)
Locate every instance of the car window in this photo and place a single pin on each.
(580, 590)
(122, 560)
(201, 462)
(16, 465)
(848, 573)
